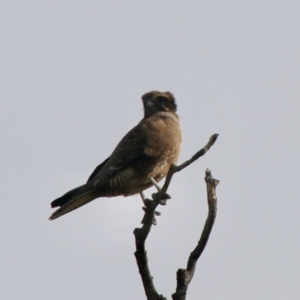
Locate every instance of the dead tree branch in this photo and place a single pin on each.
(141, 253)
(184, 276)
(141, 234)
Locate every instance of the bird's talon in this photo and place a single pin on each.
(163, 199)
(166, 196)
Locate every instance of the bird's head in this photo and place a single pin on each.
(158, 101)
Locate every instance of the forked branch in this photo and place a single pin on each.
(141, 234)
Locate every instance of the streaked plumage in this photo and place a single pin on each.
(146, 151)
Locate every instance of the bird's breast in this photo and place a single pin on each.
(163, 138)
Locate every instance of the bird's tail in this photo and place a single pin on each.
(69, 196)
(68, 204)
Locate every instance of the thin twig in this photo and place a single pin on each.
(184, 276)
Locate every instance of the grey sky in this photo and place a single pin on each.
(72, 74)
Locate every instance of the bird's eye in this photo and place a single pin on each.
(160, 99)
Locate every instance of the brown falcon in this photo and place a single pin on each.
(142, 157)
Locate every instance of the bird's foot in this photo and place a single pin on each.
(161, 199)
(156, 197)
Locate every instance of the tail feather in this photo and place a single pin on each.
(69, 196)
(73, 204)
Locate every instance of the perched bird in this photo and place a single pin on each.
(142, 157)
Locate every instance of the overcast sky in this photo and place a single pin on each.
(72, 74)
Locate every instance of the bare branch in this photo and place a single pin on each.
(184, 276)
(141, 255)
(141, 234)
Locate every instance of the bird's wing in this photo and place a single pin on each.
(129, 149)
(97, 170)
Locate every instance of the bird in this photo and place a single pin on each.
(140, 160)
